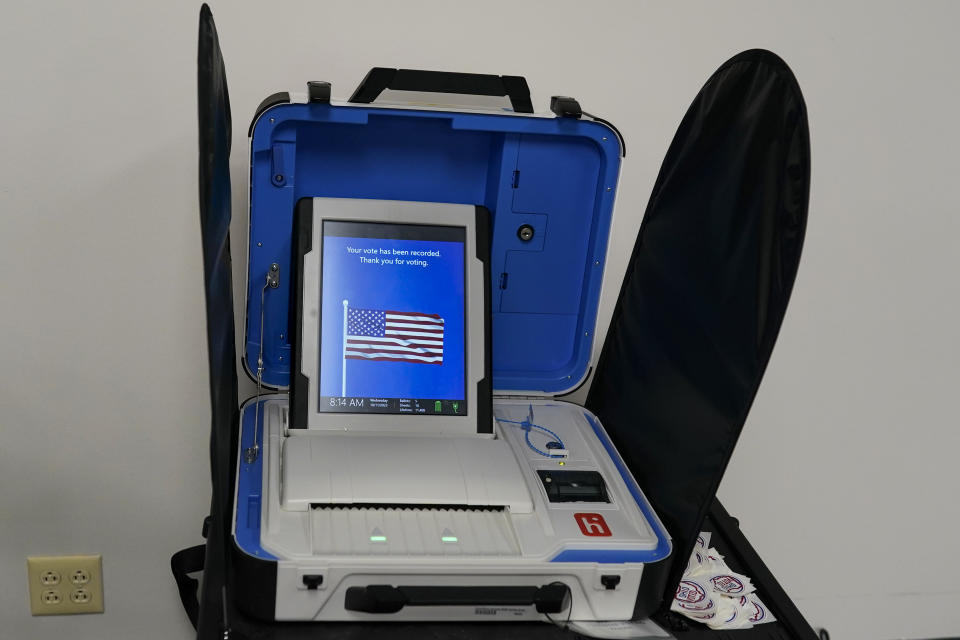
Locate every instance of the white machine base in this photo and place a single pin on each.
(472, 515)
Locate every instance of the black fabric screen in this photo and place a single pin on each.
(706, 290)
(215, 131)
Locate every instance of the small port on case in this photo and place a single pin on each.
(610, 582)
(312, 582)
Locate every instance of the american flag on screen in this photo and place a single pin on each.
(394, 336)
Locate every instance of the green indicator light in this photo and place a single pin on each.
(378, 538)
(448, 539)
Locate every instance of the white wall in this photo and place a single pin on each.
(843, 478)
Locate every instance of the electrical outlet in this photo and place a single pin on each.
(50, 578)
(65, 584)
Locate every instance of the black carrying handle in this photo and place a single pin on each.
(479, 84)
(184, 562)
(384, 598)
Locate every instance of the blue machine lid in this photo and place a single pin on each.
(553, 177)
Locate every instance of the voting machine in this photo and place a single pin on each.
(467, 246)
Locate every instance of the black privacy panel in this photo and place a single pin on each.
(706, 289)
(215, 129)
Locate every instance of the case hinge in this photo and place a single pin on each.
(318, 91)
(273, 276)
(565, 107)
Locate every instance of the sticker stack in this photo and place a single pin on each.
(713, 594)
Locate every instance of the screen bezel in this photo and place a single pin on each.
(305, 379)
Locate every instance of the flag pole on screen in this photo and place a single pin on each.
(343, 363)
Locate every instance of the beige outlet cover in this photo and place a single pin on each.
(77, 580)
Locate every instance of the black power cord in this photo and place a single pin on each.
(569, 599)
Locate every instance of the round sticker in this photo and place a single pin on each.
(727, 584)
(690, 592)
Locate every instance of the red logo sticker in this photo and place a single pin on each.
(592, 524)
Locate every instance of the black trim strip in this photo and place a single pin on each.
(623, 143)
(485, 386)
(281, 97)
(301, 245)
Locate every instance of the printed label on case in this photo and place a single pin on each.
(499, 611)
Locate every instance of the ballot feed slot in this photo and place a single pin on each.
(574, 486)
(377, 506)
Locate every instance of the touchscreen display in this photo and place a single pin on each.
(392, 309)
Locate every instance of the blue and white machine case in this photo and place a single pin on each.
(305, 552)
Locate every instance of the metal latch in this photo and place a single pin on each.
(273, 276)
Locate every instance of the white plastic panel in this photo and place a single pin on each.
(362, 545)
(325, 468)
(337, 531)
